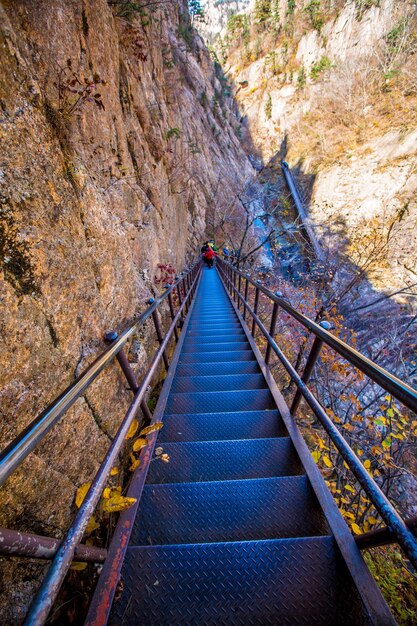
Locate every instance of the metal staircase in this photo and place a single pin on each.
(238, 527)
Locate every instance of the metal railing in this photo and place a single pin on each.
(14, 543)
(398, 529)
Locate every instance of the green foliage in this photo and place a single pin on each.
(364, 5)
(185, 30)
(395, 35)
(291, 7)
(127, 10)
(276, 12)
(262, 10)
(196, 10)
(313, 10)
(321, 66)
(396, 583)
(236, 23)
(271, 61)
(173, 132)
(302, 77)
(268, 107)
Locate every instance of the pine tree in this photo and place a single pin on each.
(262, 10)
(195, 9)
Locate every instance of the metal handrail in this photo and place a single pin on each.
(14, 454)
(299, 205)
(52, 582)
(396, 387)
(404, 535)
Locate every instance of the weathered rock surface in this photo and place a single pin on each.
(92, 199)
(305, 95)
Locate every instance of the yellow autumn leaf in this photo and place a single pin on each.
(150, 429)
(81, 493)
(106, 493)
(132, 429)
(327, 461)
(139, 444)
(349, 488)
(92, 525)
(77, 566)
(117, 503)
(135, 463)
(356, 529)
(372, 520)
(316, 455)
(367, 464)
(114, 471)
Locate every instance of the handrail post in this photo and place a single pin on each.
(272, 329)
(311, 361)
(179, 291)
(255, 308)
(246, 297)
(128, 372)
(172, 312)
(185, 291)
(235, 298)
(239, 287)
(159, 333)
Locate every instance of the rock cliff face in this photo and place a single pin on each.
(113, 155)
(331, 88)
(217, 14)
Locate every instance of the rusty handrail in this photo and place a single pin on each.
(396, 387)
(16, 543)
(14, 454)
(52, 582)
(404, 535)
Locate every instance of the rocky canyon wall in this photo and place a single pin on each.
(331, 88)
(113, 154)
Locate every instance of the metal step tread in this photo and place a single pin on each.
(216, 335)
(207, 357)
(264, 583)
(221, 368)
(193, 346)
(202, 461)
(220, 401)
(225, 382)
(230, 510)
(222, 426)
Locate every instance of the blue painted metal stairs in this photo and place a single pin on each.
(230, 531)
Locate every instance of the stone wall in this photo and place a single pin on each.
(112, 157)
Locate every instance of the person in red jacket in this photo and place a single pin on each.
(209, 257)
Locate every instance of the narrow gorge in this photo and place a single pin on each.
(131, 133)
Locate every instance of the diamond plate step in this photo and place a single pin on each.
(221, 401)
(226, 460)
(235, 510)
(207, 357)
(222, 369)
(214, 347)
(231, 322)
(191, 384)
(287, 582)
(222, 426)
(198, 338)
(208, 335)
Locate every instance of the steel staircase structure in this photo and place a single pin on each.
(239, 527)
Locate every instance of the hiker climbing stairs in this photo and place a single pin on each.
(231, 530)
